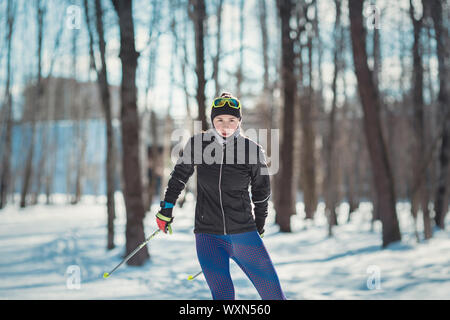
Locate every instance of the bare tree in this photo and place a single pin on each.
(216, 58)
(79, 108)
(438, 15)
(420, 197)
(268, 103)
(330, 183)
(103, 85)
(197, 13)
(130, 134)
(285, 200)
(185, 64)
(102, 79)
(240, 67)
(351, 161)
(154, 156)
(306, 107)
(369, 96)
(5, 178)
(50, 153)
(168, 123)
(265, 54)
(44, 170)
(28, 172)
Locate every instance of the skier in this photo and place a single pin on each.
(224, 224)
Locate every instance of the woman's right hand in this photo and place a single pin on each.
(164, 217)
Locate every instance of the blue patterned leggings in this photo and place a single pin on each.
(248, 251)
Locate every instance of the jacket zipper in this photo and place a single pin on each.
(220, 190)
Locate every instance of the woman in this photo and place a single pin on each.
(227, 163)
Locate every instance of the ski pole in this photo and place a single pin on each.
(195, 275)
(128, 257)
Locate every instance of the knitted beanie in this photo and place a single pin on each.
(226, 109)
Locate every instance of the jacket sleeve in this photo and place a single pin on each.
(260, 189)
(181, 173)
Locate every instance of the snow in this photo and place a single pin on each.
(46, 249)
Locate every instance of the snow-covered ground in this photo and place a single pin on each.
(45, 250)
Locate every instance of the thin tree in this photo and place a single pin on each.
(240, 67)
(28, 172)
(102, 79)
(352, 140)
(267, 86)
(51, 129)
(197, 13)
(79, 132)
(442, 39)
(168, 123)
(217, 56)
(382, 175)
(44, 169)
(185, 64)
(103, 85)
(5, 178)
(305, 151)
(306, 107)
(130, 135)
(420, 197)
(154, 156)
(330, 183)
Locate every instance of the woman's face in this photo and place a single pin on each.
(226, 124)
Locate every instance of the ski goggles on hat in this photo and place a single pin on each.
(220, 102)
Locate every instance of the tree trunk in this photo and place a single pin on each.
(240, 68)
(153, 153)
(352, 137)
(28, 172)
(130, 135)
(308, 160)
(267, 87)
(216, 58)
(383, 180)
(420, 196)
(442, 40)
(330, 185)
(285, 204)
(168, 123)
(77, 107)
(5, 176)
(103, 85)
(197, 13)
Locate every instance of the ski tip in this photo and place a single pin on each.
(105, 275)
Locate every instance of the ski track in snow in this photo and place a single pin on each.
(38, 244)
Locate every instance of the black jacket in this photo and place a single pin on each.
(224, 174)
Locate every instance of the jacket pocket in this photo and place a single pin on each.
(204, 214)
(201, 206)
(246, 206)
